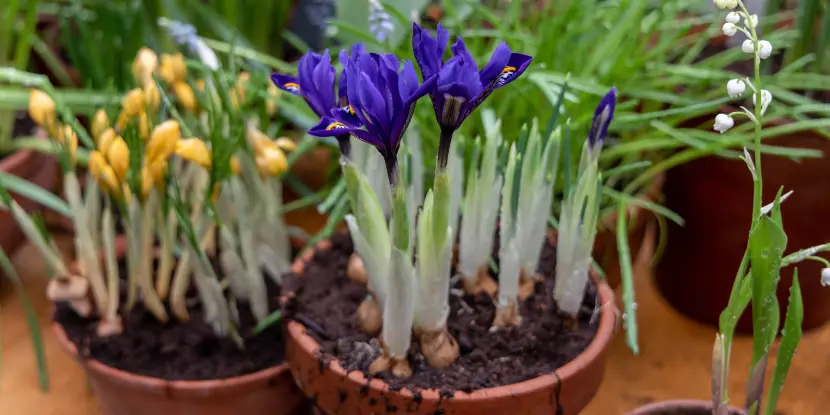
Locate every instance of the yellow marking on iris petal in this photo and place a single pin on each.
(351, 110)
(508, 69)
(292, 86)
(506, 73)
(335, 125)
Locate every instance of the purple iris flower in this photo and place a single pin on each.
(603, 115)
(316, 84)
(461, 87)
(382, 94)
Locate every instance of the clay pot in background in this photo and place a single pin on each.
(268, 392)
(38, 168)
(714, 196)
(641, 223)
(336, 392)
(680, 407)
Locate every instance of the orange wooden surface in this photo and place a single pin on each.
(674, 361)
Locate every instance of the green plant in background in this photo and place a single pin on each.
(812, 16)
(19, 20)
(764, 255)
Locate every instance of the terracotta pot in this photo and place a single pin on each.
(38, 168)
(641, 224)
(336, 392)
(714, 196)
(680, 407)
(270, 391)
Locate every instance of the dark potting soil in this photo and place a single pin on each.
(177, 350)
(326, 302)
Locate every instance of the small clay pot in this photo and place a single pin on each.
(681, 407)
(270, 391)
(714, 197)
(337, 392)
(605, 246)
(38, 168)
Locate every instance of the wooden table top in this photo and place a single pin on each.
(674, 361)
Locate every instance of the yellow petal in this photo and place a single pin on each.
(239, 93)
(235, 168)
(257, 139)
(152, 97)
(286, 144)
(70, 143)
(143, 126)
(100, 123)
(146, 182)
(144, 65)
(157, 171)
(173, 68)
(41, 108)
(200, 85)
(103, 173)
(104, 141)
(118, 156)
(195, 150)
(271, 162)
(185, 96)
(128, 194)
(163, 140)
(132, 104)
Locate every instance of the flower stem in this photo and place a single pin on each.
(444, 143)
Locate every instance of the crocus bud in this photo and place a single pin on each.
(173, 68)
(100, 123)
(42, 109)
(143, 126)
(118, 156)
(733, 17)
(766, 99)
(764, 49)
(104, 141)
(735, 88)
(748, 46)
(144, 65)
(146, 182)
(729, 29)
(152, 97)
(70, 143)
(271, 162)
(185, 96)
(163, 140)
(103, 173)
(825, 277)
(195, 150)
(286, 144)
(257, 139)
(132, 104)
(723, 122)
(239, 93)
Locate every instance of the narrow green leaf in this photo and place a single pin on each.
(767, 242)
(272, 318)
(34, 192)
(654, 207)
(627, 278)
(790, 337)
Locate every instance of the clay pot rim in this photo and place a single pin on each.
(182, 388)
(678, 404)
(185, 387)
(605, 331)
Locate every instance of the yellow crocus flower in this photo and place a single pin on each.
(100, 123)
(143, 126)
(144, 65)
(184, 93)
(173, 68)
(146, 182)
(195, 150)
(271, 161)
(118, 155)
(152, 97)
(257, 139)
(70, 143)
(103, 173)
(132, 104)
(271, 104)
(162, 142)
(286, 144)
(104, 140)
(42, 110)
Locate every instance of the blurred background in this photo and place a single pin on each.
(689, 194)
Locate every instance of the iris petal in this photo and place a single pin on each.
(493, 69)
(603, 115)
(329, 127)
(287, 83)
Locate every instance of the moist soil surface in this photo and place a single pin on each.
(177, 350)
(326, 302)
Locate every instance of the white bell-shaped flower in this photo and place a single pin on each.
(766, 98)
(751, 21)
(735, 88)
(748, 46)
(729, 29)
(726, 4)
(764, 49)
(825, 277)
(733, 17)
(723, 122)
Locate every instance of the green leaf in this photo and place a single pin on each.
(767, 242)
(31, 319)
(34, 192)
(790, 337)
(627, 278)
(272, 319)
(654, 207)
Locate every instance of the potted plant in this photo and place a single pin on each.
(167, 319)
(796, 128)
(759, 272)
(387, 332)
